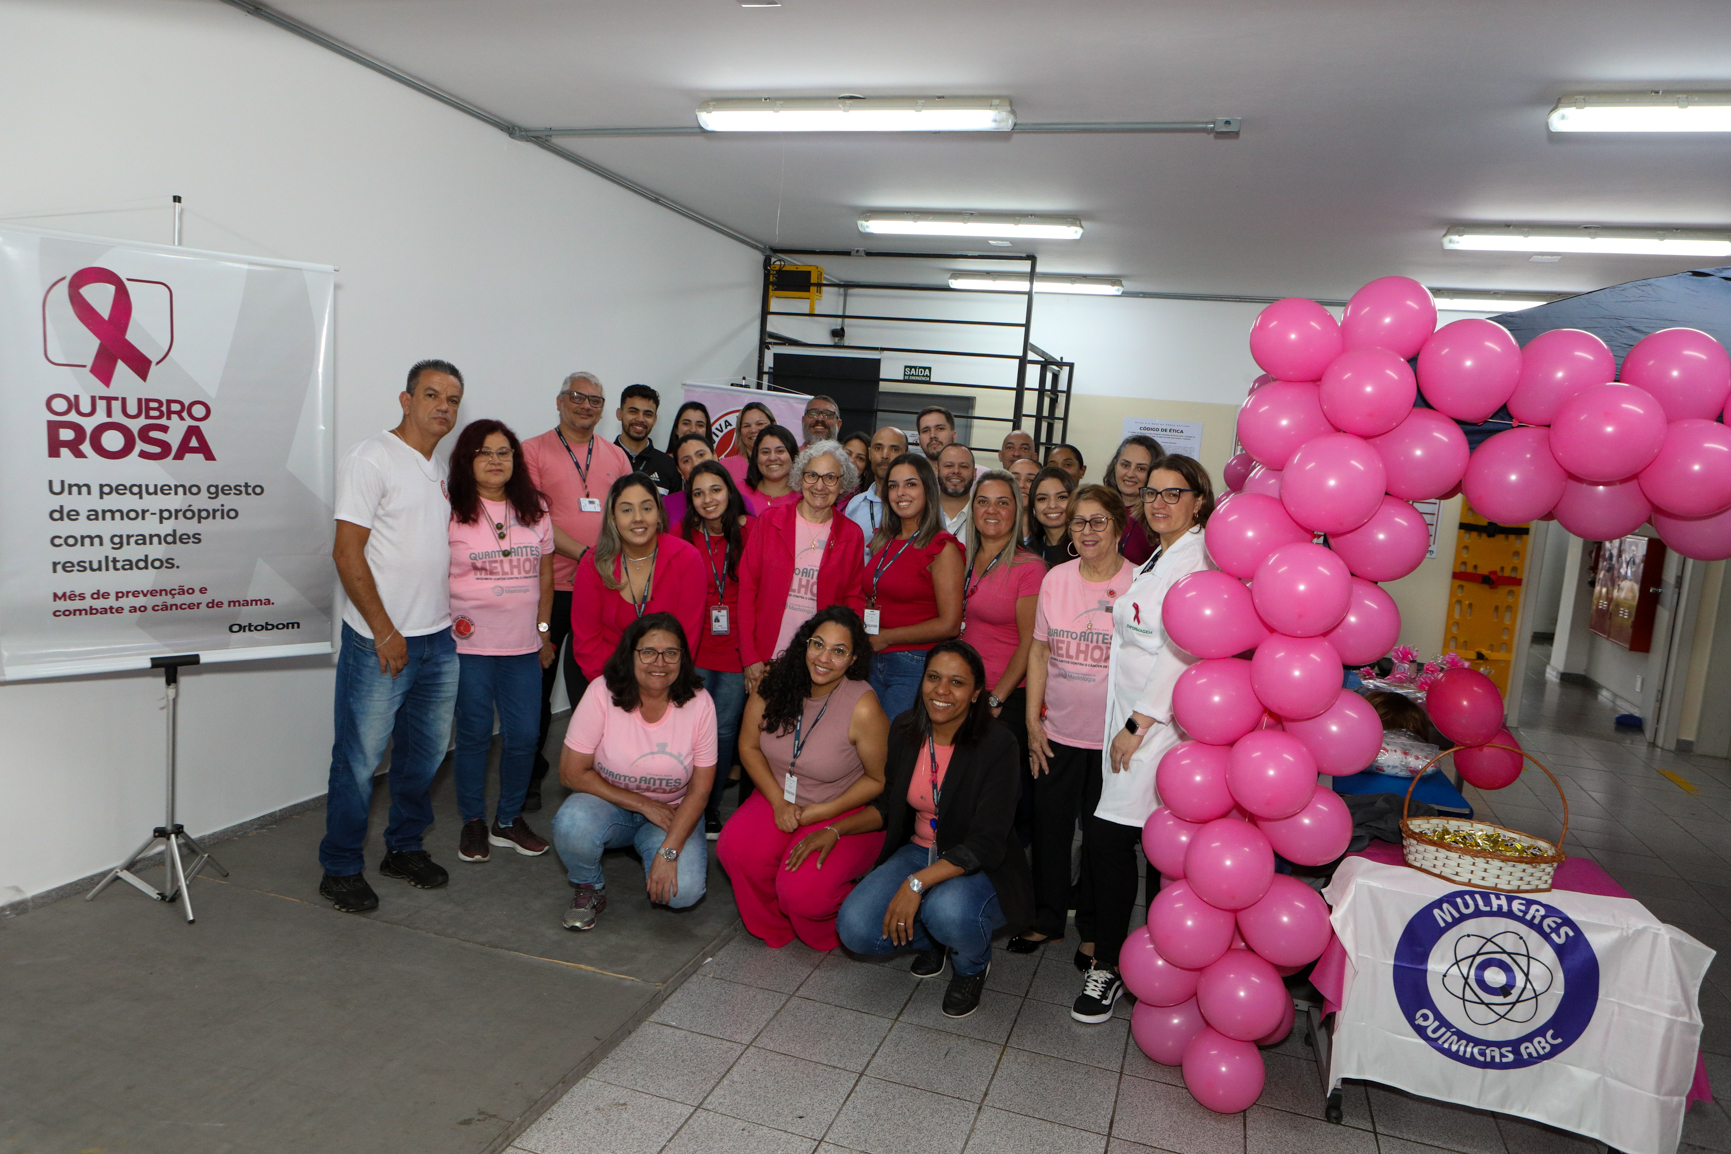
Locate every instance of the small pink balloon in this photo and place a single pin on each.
(1513, 478)
(1424, 456)
(1468, 369)
(1316, 834)
(1686, 371)
(1388, 546)
(1214, 700)
(1294, 339)
(1279, 1034)
(1210, 613)
(1334, 483)
(1289, 926)
(1296, 677)
(1608, 432)
(1367, 391)
(1150, 977)
(1344, 738)
(1165, 839)
(1489, 768)
(1277, 418)
(1301, 590)
(1240, 995)
(1162, 1032)
(1229, 863)
(1703, 538)
(1262, 379)
(1556, 365)
(1691, 476)
(1371, 625)
(1237, 469)
(1263, 480)
(1222, 1073)
(1465, 706)
(1186, 930)
(1595, 512)
(1271, 774)
(1391, 312)
(1191, 781)
(1247, 529)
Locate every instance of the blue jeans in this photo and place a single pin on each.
(586, 826)
(513, 684)
(896, 679)
(960, 913)
(412, 713)
(728, 691)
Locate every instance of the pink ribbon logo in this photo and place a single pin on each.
(110, 330)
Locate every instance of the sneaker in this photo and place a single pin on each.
(1101, 988)
(929, 963)
(350, 893)
(472, 841)
(518, 836)
(963, 996)
(532, 798)
(585, 908)
(415, 866)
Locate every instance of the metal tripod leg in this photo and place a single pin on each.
(123, 871)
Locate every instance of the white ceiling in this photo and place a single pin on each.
(1368, 128)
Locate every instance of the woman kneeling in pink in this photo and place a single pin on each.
(813, 739)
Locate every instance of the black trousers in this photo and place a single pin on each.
(1106, 893)
(1014, 717)
(559, 633)
(1072, 773)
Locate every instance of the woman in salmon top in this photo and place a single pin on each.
(913, 581)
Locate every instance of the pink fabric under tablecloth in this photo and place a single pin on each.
(1576, 874)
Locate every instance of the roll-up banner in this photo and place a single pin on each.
(169, 485)
(725, 401)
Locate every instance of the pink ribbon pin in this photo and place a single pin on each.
(110, 330)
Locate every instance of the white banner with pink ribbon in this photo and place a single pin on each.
(725, 401)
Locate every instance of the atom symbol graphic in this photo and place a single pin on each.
(1496, 978)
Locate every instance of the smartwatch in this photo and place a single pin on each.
(1131, 726)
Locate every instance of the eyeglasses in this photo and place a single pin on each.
(1098, 524)
(828, 414)
(581, 400)
(816, 646)
(827, 480)
(496, 454)
(1167, 496)
(662, 656)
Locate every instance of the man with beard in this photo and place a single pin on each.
(638, 405)
(955, 482)
(867, 509)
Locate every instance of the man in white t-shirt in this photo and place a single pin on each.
(955, 469)
(397, 669)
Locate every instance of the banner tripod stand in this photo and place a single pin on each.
(170, 833)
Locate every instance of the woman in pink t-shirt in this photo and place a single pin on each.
(1068, 687)
(998, 599)
(639, 759)
(913, 582)
(501, 600)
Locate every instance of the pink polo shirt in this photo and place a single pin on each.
(566, 487)
(1074, 617)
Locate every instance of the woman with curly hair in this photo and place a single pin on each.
(813, 740)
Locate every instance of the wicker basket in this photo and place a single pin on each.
(1480, 868)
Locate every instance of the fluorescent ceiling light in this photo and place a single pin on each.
(1590, 239)
(1482, 301)
(859, 114)
(971, 224)
(1643, 112)
(1012, 283)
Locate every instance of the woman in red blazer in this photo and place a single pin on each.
(801, 558)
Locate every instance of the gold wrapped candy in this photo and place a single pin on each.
(1488, 839)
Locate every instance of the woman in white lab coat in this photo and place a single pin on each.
(1144, 666)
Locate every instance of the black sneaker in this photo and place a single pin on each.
(963, 996)
(415, 866)
(532, 798)
(929, 963)
(350, 893)
(1100, 989)
(472, 841)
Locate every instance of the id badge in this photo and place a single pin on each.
(790, 789)
(718, 626)
(872, 617)
(589, 504)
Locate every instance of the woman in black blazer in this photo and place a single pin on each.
(951, 872)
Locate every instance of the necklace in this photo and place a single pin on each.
(502, 529)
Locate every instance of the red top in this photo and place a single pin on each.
(719, 653)
(1136, 546)
(599, 615)
(904, 591)
(766, 575)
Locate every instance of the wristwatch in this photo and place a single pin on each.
(667, 853)
(1131, 726)
(541, 626)
(916, 885)
(992, 700)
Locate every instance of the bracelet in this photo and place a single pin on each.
(386, 637)
(835, 831)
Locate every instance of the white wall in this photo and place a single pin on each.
(452, 241)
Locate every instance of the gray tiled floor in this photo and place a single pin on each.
(791, 1050)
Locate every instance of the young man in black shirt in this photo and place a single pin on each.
(638, 406)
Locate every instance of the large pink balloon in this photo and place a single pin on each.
(1262, 480)
(1367, 392)
(1229, 862)
(1210, 614)
(1222, 1073)
(1489, 768)
(1151, 977)
(1333, 483)
(1371, 625)
(1686, 371)
(1191, 781)
(1465, 706)
(1240, 995)
(1248, 528)
(1300, 589)
(1162, 1032)
(1344, 738)
(1296, 677)
(1424, 456)
(1388, 546)
(1468, 369)
(1237, 469)
(1691, 476)
(1556, 365)
(1186, 930)
(1271, 773)
(1280, 1033)
(1276, 419)
(1391, 312)
(1165, 840)
(1513, 478)
(1596, 512)
(1703, 538)
(1289, 926)
(1316, 834)
(1607, 432)
(1294, 339)
(1214, 700)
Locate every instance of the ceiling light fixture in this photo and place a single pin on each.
(1643, 112)
(859, 114)
(1590, 239)
(1011, 283)
(1488, 300)
(975, 224)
